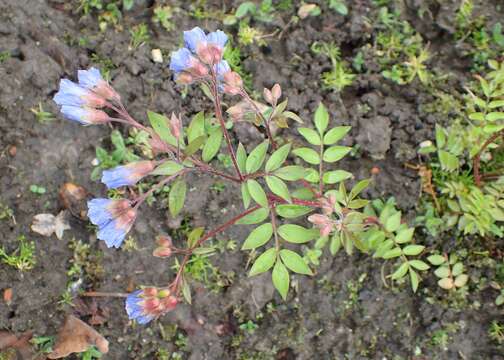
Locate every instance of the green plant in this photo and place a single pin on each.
(263, 12)
(139, 35)
(163, 15)
(339, 6)
(340, 76)
(496, 332)
(90, 354)
(23, 258)
(450, 271)
(6, 212)
(41, 115)
(37, 189)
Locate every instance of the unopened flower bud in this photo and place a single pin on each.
(175, 126)
(162, 252)
(268, 96)
(276, 91)
(184, 78)
(318, 219)
(150, 292)
(169, 303)
(233, 83)
(164, 293)
(151, 305)
(164, 240)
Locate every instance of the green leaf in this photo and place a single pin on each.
(310, 135)
(440, 136)
(436, 259)
(393, 253)
(258, 237)
(412, 250)
(277, 158)
(401, 271)
(335, 244)
(256, 157)
(280, 277)
(333, 177)
(195, 145)
(321, 119)
(245, 8)
(169, 167)
(461, 280)
(194, 236)
(257, 193)
(177, 196)
(294, 262)
(336, 134)
(245, 195)
(496, 104)
(290, 211)
(457, 269)
(477, 116)
(442, 272)
(264, 262)
(419, 265)
(212, 145)
(308, 155)
(196, 127)
(358, 188)
(278, 187)
(449, 162)
(254, 217)
(494, 116)
(335, 153)
(297, 234)
(414, 280)
(160, 125)
(291, 172)
(241, 157)
(393, 222)
(405, 235)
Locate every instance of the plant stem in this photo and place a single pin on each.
(175, 284)
(321, 168)
(477, 157)
(158, 186)
(104, 294)
(274, 226)
(266, 122)
(218, 114)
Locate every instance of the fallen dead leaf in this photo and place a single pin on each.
(47, 224)
(306, 9)
(73, 197)
(75, 336)
(19, 343)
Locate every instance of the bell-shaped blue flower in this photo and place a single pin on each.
(135, 308)
(90, 78)
(181, 60)
(193, 38)
(217, 38)
(126, 175)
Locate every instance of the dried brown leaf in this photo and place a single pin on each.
(19, 343)
(75, 336)
(47, 224)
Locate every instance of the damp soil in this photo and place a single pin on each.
(344, 312)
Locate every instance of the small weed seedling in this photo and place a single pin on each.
(23, 258)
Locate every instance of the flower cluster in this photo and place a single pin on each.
(324, 221)
(81, 102)
(149, 303)
(201, 59)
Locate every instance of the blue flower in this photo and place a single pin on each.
(70, 94)
(99, 211)
(84, 115)
(114, 219)
(126, 175)
(193, 38)
(90, 78)
(221, 68)
(218, 38)
(180, 60)
(113, 233)
(135, 309)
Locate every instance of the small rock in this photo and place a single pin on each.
(157, 56)
(374, 136)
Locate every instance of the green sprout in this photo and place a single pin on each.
(23, 258)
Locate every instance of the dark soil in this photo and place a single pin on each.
(325, 318)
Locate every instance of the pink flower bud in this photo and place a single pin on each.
(268, 96)
(164, 241)
(233, 83)
(175, 126)
(150, 292)
(162, 252)
(318, 219)
(151, 305)
(184, 78)
(326, 229)
(169, 303)
(276, 92)
(198, 69)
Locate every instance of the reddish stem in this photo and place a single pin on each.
(477, 157)
(218, 114)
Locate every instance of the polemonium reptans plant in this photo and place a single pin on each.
(299, 205)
